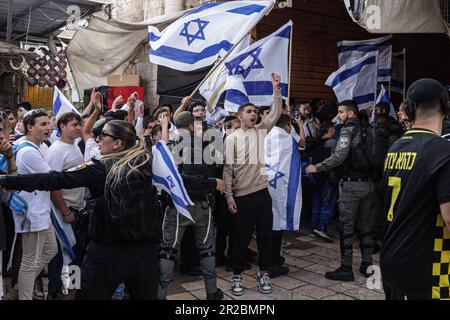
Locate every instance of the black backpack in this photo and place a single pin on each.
(376, 145)
(133, 205)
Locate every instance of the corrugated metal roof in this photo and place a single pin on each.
(44, 16)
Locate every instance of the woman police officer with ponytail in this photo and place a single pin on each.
(124, 215)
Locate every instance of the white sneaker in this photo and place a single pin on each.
(65, 278)
(236, 285)
(264, 283)
(323, 235)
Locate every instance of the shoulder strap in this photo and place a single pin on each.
(25, 144)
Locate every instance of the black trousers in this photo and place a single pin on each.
(277, 240)
(189, 257)
(105, 266)
(392, 294)
(224, 222)
(254, 210)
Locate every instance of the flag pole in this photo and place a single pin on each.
(390, 82)
(218, 64)
(226, 55)
(290, 67)
(404, 74)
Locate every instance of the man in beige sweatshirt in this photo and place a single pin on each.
(246, 189)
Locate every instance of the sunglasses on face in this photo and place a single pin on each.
(104, 134)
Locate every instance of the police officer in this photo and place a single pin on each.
(351, 164)
(118, 253)
(191, 147)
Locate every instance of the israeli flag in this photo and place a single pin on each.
(64, 234)
(213, 88)
(284, 173)
(61, 104)
(384, 97)
(398, 81)
(198, 38)
(250, 71)
(356, 81)
(166, 177)
(348, 51)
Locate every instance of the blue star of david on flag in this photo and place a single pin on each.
(200, 34)
(245, 63)
(278, 175)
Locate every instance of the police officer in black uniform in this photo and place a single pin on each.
(350, 163)
(415, 244)
(123, 249)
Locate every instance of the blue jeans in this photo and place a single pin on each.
(324, 200)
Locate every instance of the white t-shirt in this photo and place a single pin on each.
(91, 149)
(43, 147)
(54, 136)
(173, 132)
(62, 156)
(31, 160)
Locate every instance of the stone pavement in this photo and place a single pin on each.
(307, 258)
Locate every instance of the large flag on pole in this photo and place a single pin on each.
(249, 71)
(356, 81)
(398, 82)
(214, 86)
(351, 50)
(166, 177)
(284, 173)
(61, 104)
(198, 38)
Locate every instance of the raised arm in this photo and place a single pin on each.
(277, 109)
(93, 117)
(184, 104)
(89, 107)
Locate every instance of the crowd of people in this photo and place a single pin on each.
(78, 190)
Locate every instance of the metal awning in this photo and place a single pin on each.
(41, 18)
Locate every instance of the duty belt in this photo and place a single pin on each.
(348, 179)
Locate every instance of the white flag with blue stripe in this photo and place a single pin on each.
(348, 51)
(284, 173)
(211, 30)
(214, 86)
(356, 81)
(61, 104)
(166, 177)
(383, 96)
(250, 71)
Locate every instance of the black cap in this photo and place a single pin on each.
(425, 90)
(184, 119)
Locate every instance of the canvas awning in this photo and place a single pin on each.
(399, 16)
(106, 47)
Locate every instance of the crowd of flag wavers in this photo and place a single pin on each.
(130, 193)
(118, 193)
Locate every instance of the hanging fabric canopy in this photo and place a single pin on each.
(399, 16)
(106, 47)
